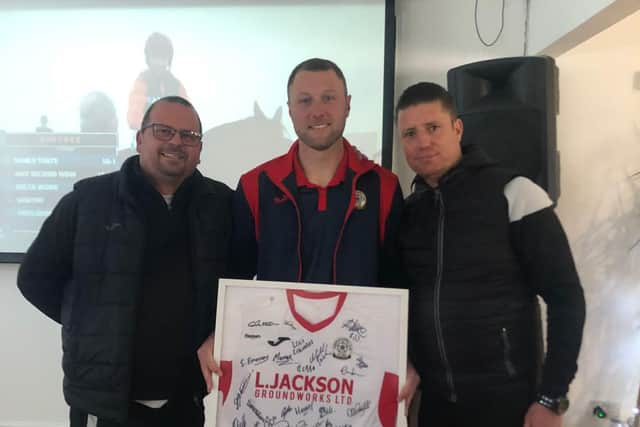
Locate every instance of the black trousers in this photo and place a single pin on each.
(178, 412)
(490, 408)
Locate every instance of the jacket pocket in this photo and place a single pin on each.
(507, 353)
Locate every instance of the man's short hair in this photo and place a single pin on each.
(423, 93)
(317, 64)
(174, 99)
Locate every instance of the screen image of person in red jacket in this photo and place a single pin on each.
(320, 213)
(479, 243)
(156, 81)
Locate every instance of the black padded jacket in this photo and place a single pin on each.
(478, 251)
(83, 271)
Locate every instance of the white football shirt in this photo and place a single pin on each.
(300, 358)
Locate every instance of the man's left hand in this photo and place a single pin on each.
(409, 388)
(539, 416)
(208, 366)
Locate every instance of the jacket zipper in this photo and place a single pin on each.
(289, 196)
(436, 298)
(335, 250)
(508, 364)
(295, 205)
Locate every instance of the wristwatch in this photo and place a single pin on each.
(559, 405)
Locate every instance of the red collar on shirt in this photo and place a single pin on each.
(309, 326)
(338, 177)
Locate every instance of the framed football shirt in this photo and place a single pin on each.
(296, 354)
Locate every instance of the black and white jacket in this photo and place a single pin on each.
(478, 250)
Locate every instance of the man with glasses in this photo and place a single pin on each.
(128, 263)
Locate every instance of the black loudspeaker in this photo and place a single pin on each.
(508, 107)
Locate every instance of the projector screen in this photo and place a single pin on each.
(72, 76)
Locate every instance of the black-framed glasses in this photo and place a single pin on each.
(166, 133)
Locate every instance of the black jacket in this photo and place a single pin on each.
(477, 255)
(83, 271)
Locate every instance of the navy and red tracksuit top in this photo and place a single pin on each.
(269, 223)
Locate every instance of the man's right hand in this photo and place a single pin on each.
(208, 366)
(409, 389)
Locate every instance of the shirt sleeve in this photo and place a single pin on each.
(244, 245)
(47, 265)
(543, 249)
(390, 269)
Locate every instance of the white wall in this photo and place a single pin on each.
(554, 27)
(550, 20)
(434, 36)
(599, 143)
(30, 360)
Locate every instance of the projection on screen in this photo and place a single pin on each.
(75, 83)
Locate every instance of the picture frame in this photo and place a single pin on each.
(299, 354)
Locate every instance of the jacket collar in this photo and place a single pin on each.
(338, 177)
(473, 157)
(131, 168)
(283, 166)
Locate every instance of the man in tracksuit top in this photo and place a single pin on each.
(478, 244)
(321, 213)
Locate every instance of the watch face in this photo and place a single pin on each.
(559, 405)
(562, 405)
